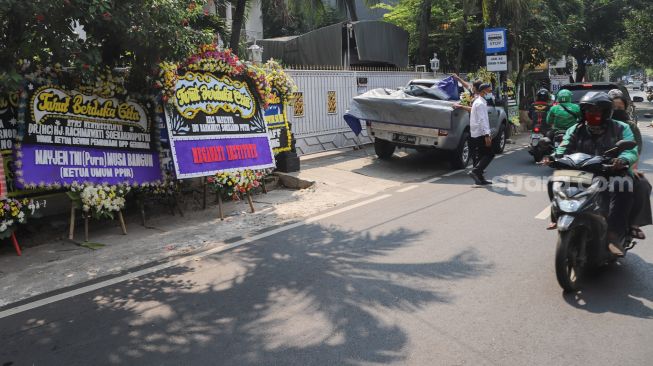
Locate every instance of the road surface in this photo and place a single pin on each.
(432, 273)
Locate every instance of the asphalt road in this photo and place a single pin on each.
(433, 273)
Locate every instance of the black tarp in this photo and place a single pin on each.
(372, 43)
(381, 42)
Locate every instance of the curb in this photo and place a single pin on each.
(293, 182)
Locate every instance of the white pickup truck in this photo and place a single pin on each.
(422, 117)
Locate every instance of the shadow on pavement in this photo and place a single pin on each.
(621, 289)
(314, 295)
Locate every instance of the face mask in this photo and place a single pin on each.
(620, 115)
(593, 119)
(489, 97)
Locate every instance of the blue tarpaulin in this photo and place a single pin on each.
(450, 86)
(354, 123)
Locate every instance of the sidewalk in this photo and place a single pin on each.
(340, 177)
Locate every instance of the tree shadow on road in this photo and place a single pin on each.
(313, 295)
(621, 289)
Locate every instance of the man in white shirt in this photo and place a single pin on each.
(481, 136)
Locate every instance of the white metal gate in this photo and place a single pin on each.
(317, 119)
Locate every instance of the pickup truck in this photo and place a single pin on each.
(422, 117)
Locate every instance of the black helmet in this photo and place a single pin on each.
(599, 99)
(543, 95)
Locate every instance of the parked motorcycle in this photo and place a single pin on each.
(579, 203)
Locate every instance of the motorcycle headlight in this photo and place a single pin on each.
(572, 205)
(592, 189)
(558, 190)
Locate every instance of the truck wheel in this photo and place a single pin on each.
(499, 143)
(462, 155)
(384, 149)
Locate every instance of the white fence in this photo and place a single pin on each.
(317, 120)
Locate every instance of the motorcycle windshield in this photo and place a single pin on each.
(573, 161)
(594, 161)
(579, 158)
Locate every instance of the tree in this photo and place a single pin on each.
(424, 25)
(237, 25)
(599, 26)
(130, 34)
(636, 46)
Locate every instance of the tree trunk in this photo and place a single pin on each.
(518, 82)
(581, 71)
(351, 8)
(424, 22)
(237, 25)
(461, 46)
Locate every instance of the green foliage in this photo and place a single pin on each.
(290, 18)
(636, 46)
(138, 34)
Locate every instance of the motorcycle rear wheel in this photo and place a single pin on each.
(568, 268)
(538, 155)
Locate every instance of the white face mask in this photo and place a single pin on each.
(489, 97)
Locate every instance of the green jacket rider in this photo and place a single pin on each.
(565, 114)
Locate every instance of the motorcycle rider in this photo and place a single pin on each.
(564, 114)
(540, 108)
(641, 213)
(596, 134)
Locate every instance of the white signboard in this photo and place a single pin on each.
(497, 63)
(557, 81)
(558, 64)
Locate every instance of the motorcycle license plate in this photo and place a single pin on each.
(404, 139)
(535, 139)
(573, 176)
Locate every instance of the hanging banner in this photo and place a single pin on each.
(298, 106)
(8, 122)
(276, 120)
(216, 124)
(73, 137)
(332, 102)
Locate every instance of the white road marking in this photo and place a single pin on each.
(406, 189)
(453, 173)
(180, 261)
(433, 180)
(508, 152)
(544, 214)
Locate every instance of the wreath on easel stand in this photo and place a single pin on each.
(239, 183)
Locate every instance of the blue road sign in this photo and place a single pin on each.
(496, 40)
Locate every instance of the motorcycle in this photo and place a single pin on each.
(579, 203)
(544, 144)
(536, 148)
(649, 95)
